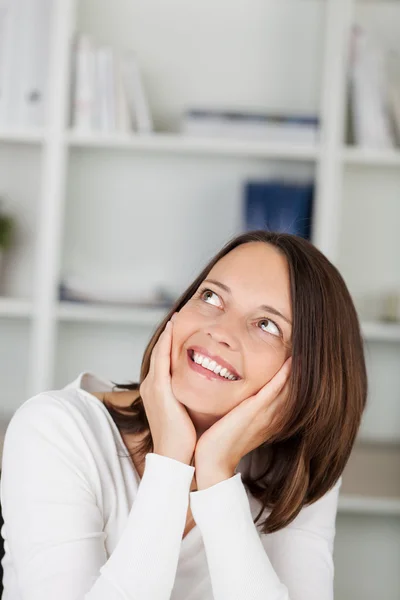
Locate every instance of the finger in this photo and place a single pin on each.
(155, 352)
(162, 359)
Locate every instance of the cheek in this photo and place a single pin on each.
(262, 368)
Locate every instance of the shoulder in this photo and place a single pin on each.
(58, 405)
(62, 417)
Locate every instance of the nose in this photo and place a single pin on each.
(224, 330)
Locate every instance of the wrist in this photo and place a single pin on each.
(206, 478)
(175, 455)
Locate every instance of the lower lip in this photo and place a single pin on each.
(206, 372)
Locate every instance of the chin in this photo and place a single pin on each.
(195, 402)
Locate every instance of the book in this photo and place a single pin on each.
(24, 62)
(281, 206)
(11, 13)
(83, 109)
(105, 90)
(369, 92)
(34, 48)
(394, 92)
(240, 124)
(137, 99)
(4, 7)
(124, 122)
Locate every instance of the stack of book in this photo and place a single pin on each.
(107, 90)
(276, 205)
(24, 62)
(296, 129)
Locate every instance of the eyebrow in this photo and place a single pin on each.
(266, 307)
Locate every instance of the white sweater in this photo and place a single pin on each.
(80, 524)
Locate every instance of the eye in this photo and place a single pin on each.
(275, 329)
(210, 297)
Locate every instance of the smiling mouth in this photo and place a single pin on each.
(207, 364)
(226, 376)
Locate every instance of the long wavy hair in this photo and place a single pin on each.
(328, 385)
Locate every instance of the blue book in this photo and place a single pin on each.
(279, 206)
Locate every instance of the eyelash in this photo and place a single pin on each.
(203, 290)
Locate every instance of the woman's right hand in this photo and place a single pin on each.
(172, 429)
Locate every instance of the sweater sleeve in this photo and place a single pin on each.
(55, 528)
(294, 563)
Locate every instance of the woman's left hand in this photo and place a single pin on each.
(221, 447)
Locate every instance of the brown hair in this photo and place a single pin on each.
(328, 385)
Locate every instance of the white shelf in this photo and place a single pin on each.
(180, 144)
(22, 136)
(99, 313)
(371, 157)
(15, 307)
(376, 331)
(368, 505)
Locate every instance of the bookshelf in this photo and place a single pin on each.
(159, 205)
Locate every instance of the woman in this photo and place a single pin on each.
(249, 402)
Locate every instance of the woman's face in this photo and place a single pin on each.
(247, 327)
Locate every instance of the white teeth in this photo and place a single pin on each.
(212, 365)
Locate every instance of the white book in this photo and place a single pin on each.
(84, 81)
(10, 62)
(105, 90)
(123, 118)
(138, 103)
(34, 46)
(372, 126)
(394, 92)
(3, 18)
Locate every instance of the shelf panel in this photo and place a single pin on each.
(371, 480)
(22, 136)
(365, 505)
(15, 307)
(377, 331)
(371, 157)
(100, 313)
(179, 144)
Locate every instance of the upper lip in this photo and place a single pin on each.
(218, 359)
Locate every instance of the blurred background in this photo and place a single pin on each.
(136, 138)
